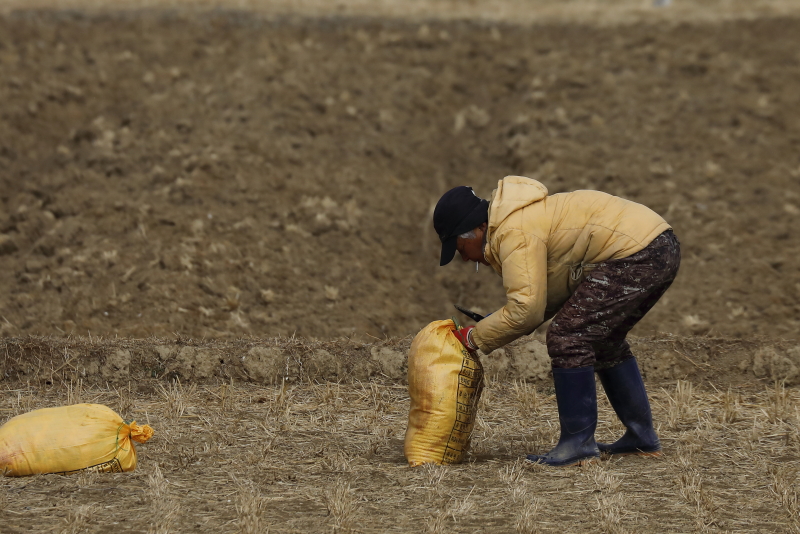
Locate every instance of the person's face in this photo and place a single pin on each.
(472, 249)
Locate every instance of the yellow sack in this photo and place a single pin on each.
(69, 439)
(445, 384)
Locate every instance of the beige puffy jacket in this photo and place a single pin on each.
(543, 245)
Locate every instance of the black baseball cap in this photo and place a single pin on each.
(458, 211)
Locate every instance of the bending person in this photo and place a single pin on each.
(593, 262)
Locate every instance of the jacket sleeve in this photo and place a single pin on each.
(523, 258)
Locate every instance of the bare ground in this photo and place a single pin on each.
(604, 12)
(234, 175)
(190, 188)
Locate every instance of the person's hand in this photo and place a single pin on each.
(464, 335)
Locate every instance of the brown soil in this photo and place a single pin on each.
(603, 12)
(181, 192)
(229, 174)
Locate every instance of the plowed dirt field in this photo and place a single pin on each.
(224, 174)
(218, 221)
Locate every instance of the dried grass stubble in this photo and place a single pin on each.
(164, 506)
(722, 461)
(611, 502)
(527, 520)
(436, 523)
(450, 495)
(698, 497)
(250, 507)
(78, 519)
(4, 497)
(527, 505)
(176, 398)
(125, 401)
(200, 450)
(340, 503)
(23, 400)
(784, 487)
(779, 403)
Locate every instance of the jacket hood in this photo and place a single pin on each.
(513, 193)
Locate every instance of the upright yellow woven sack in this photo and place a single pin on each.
(69, 439)
(445, 384)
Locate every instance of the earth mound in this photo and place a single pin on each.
(275, 361)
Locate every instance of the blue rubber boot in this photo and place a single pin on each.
(576, 397)
(625, 390)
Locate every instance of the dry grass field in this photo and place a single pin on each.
(320, 450)
(214, 218)
(328, 457)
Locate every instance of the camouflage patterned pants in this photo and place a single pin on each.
(591, 327)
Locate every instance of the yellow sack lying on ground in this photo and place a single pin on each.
(444, 383)
(69, 439)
